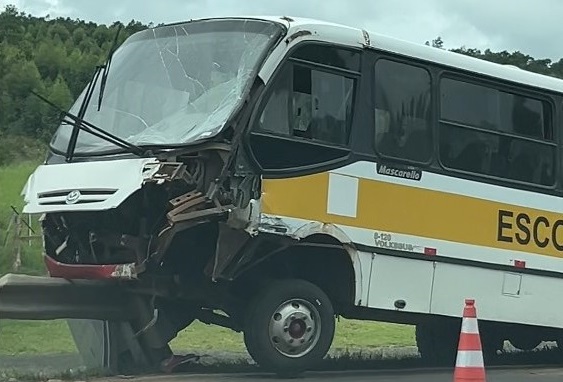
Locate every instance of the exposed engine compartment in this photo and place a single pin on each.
(150, 229)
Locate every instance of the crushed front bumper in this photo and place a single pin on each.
(127, 271)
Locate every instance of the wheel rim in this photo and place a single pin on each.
(295, 328)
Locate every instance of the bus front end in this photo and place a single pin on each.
(138, 194)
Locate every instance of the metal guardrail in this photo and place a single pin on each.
(100, 313)
(26, 297)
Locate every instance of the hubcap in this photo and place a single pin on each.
(295, 328)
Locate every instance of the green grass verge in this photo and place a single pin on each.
(350, 334)
(30, 337)
(19, 148)
(35, 337)
(12, 181)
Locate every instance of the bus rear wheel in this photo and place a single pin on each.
(289, 327)
(437, 342)
(524, 343)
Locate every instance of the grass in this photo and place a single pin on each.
(35, 337)
(20, 148)
(12, 180)
(39, 337)
(350, 334)
(352, 345)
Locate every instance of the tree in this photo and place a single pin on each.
(60, 95)
(51, 59)
(22, 77)
(436, 43)
(55, 57)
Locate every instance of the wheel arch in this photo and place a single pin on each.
(330, 233)
(319, 253)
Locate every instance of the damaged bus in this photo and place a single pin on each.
(271, 174)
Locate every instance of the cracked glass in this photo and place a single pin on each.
(174, 85)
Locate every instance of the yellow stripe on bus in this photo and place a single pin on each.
(421, 212)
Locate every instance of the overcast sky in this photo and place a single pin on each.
(531, 26)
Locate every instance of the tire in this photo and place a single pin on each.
(559, 349)
(525, 344)
(492, 341)
(437, 343)
(289, 327)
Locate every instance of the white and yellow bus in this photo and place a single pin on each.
(269, 174)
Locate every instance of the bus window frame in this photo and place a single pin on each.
(428, 68)
(512, 88)
(437, 70)
(346, 151)
(263, 102)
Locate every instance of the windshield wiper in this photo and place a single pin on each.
(80, 117)
(80, 124)
(106, 66)
(78, 121)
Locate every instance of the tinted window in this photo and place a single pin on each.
(403, 111)
(328, 55)
(311, 104)
(492, 109)
(487, 131)
(497, 155)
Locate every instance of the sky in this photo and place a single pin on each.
(530, 26)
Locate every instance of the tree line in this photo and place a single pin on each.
(56, 58)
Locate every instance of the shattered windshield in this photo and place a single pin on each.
(175, 84)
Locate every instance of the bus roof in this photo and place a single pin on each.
(467, 63)
(342, 34)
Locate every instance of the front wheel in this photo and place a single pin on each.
(289, 326)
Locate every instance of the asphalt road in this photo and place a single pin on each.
(496, 375)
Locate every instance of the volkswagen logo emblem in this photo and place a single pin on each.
(73, 197)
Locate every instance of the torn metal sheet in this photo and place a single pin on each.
(200, 214)
(229, 243)
(184, 203)
(167, 172)
(296, 35)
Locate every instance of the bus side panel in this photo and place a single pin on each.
(395, 278)
(362, 269)
(500, 296)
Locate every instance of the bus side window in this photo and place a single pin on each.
(402, 111)
(311, 104)
(275, 116)
(496, 133)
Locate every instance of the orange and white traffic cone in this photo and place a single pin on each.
(469, 363)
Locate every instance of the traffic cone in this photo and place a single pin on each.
(469, 363)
